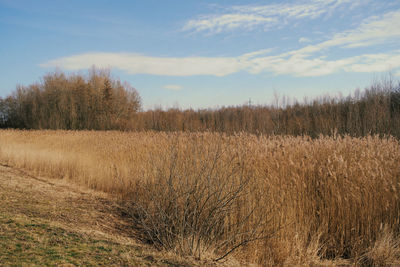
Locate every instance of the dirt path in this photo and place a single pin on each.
(31, 207)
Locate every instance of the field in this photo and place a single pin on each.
(291, 201)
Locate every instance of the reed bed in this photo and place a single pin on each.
(277, 200)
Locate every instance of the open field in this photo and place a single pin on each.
(269, 200)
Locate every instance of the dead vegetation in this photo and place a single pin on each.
(289, 201)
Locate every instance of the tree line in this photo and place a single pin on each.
(76, 102)
(376, 110)
(98, 102)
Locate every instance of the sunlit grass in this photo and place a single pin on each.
(305, 201)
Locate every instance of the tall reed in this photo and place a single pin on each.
(270, 200)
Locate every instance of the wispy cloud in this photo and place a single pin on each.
(248, 17)
(374, 30)
(301, 66)
(304, 40)
(217, 24)
(306, 61)
(141, 64)
(173, 87)
(376, 63)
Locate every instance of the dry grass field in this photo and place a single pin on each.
(288, 201)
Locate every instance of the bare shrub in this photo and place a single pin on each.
(197, 203)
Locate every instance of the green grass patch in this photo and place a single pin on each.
(26, 242)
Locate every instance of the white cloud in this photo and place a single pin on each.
(140, 64)
(217, 24)
(304, 40)
(173, 87)
(249, 16)
(372, 31)
(298, 65)
(256, 53)
(301, 66)
(376, 63)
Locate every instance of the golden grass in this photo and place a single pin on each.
(326, 201)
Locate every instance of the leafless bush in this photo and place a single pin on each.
(195, 206)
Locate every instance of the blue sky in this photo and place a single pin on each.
(203, 54)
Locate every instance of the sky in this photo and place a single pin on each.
(205, 54)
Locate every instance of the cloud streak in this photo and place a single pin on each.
(227, 22)
(248, 17)
(372, 31)
(141, 64)
(300, 66)
(304, 62)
